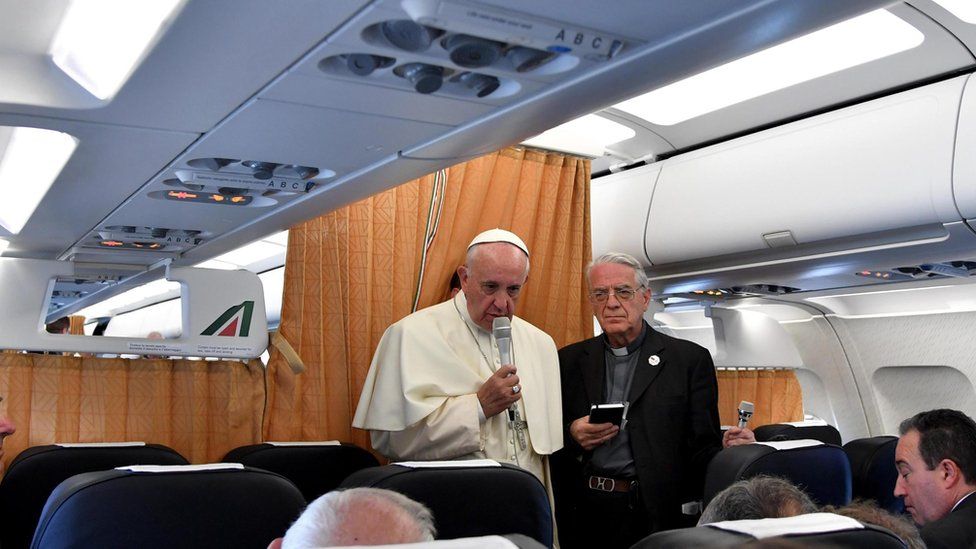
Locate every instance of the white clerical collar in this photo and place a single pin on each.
(619, 351)
(962, 500)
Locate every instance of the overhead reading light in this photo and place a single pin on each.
(963, 9)
(587, 135)
(29, 164)
(100, 42)
(817, 54)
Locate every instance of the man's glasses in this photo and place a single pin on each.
(623, 294)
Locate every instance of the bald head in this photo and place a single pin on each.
(360, 516)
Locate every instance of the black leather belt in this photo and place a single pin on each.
(607, 484)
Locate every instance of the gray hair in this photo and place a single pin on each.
(323, 522)
(621, 258)
(758, 497)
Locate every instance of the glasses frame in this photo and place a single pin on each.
(615, 293)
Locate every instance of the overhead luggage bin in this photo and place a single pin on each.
(871, 186)
(878, 166)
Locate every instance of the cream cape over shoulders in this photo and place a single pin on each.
(430, 355)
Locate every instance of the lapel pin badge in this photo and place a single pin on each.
(653, 360)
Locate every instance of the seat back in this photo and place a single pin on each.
(469, 501)
(818, 529)
(192, 506)
(36, 471)
(873, 471)
(799, 430)
(821, 470)
(315, 468)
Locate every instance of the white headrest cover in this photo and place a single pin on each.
(791, 444)
(484, 542)
(98, 444)
(455, 463)
(305, 443)
(807, 423)
(181, 468)
(813, 523)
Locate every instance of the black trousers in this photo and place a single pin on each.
(606, 520)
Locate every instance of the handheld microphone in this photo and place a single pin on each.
(745, 412)
(501, 328)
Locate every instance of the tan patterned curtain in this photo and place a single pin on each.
(353, 272)
(199, 408)
(77, 325)
(776, 394)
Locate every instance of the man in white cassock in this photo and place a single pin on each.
(437, 390)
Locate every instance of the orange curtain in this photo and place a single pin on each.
(353, 272)
(77, 325)
(199, 408)
(775, 393)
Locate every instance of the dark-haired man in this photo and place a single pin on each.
(936, 461)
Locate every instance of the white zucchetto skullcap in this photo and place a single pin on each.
(499, 235)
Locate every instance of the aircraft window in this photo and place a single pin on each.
(901, 391)
(817, 54)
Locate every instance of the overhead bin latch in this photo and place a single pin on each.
(779, 239)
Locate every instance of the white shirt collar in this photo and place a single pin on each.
(962, 499)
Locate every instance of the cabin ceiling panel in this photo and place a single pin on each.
(216, 55)
(288, 133)
(318, 91)
(109, 164)
(685, 45)
(963, 30)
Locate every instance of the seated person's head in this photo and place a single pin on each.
(359, 516)
(757, 498)
(59, 326)
(936, 461)
(868, 512)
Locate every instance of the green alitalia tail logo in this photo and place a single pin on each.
(234, 322)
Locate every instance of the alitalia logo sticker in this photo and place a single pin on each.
(234, 322)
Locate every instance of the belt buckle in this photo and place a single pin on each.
(601, 483)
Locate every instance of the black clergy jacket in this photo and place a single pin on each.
(957, 530)
(673, 422)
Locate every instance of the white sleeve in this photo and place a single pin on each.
(451, 431)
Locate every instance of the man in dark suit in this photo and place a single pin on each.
(936, 461)
(634, 477)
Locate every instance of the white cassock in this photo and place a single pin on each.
(419, 400)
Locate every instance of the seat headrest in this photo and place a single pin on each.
(820, 528)
(36, 471)
(509, 499)
(513, 541)
(185, 507)
(873, 471)
(810, 429)
(314, 467)
(821, 470)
